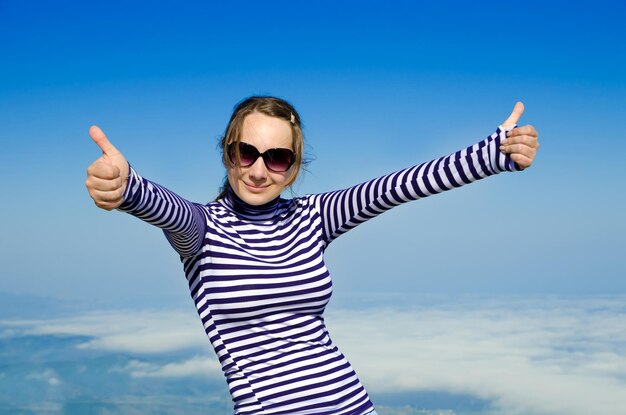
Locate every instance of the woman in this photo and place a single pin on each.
(254, 261)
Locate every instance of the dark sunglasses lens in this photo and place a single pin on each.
(278, 159)
(247, 154)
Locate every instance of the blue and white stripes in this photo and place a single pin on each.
(343, 210)
(260, 285)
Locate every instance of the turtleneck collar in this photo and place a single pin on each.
(248, 211)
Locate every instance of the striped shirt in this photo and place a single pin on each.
(260, 285)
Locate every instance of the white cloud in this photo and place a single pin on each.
(126, 331)
(545, 356)
(407, 410)
(8, 332)
(198, 366)
(49, 376)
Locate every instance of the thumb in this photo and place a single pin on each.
(102, 141)
(518, 110)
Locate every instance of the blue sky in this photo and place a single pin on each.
(380, 86)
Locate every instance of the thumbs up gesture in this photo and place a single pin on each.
(107, 176)
(521, 142)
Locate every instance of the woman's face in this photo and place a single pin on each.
(256, 184)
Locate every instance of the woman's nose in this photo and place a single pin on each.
(258, 171)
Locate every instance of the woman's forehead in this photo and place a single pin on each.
(263, 132)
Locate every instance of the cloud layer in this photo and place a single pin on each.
(525, 356)
(144, 332)
(542, 356)
(198, 366)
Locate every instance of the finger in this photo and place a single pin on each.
(518, 110)
(108, 197)
(523, 161)
(103, 170)
(519, 149)
(523, 130)
(527, 140)
(107, 200)
(96, 183)
(107, 205)
(97, 135)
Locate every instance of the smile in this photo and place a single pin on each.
(255, 189)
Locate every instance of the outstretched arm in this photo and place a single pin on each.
(112, 184)
(508, 149)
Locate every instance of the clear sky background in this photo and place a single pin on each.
(380, 86)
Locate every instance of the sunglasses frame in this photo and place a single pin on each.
(266, 155)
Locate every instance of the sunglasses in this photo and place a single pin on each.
(276, 159)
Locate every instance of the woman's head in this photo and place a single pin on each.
(264, 123)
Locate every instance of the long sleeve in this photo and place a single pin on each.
(183, 222)
(344, 209)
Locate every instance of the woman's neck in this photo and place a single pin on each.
(243, 208)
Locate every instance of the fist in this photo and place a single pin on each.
(522, 142)
(107, 176)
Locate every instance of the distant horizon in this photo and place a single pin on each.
(12, 304)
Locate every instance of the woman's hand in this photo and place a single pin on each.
(108, 175)
(521, 142)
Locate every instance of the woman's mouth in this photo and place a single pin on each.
(255, 188)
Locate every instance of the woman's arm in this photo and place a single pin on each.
(508, 149)
(112, 184)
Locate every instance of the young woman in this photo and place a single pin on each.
(254, 261)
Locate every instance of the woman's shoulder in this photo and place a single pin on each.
(298, 201)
